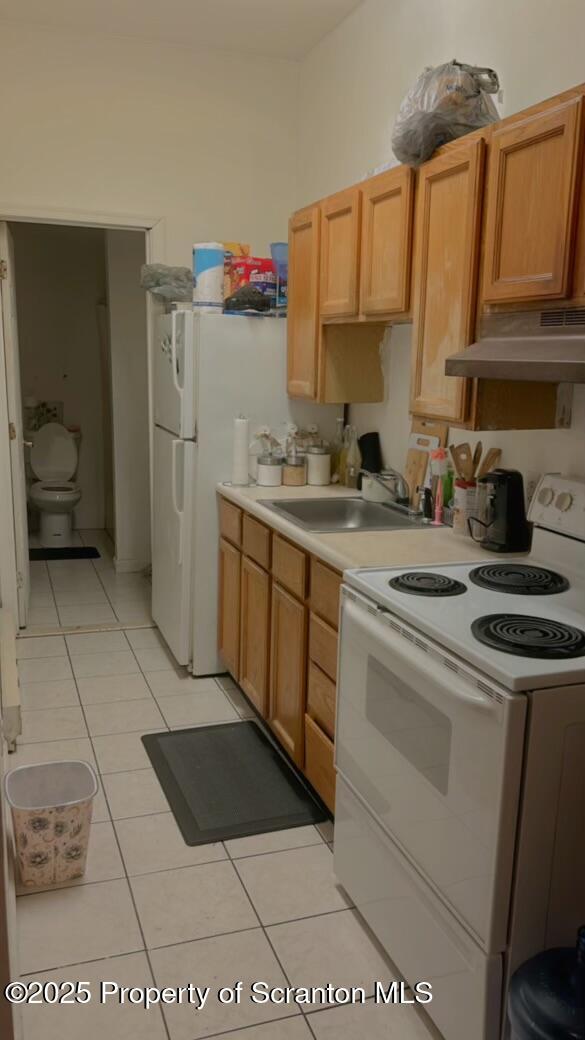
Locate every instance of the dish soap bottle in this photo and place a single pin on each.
(336, 448)
(353, 461)
(343, 457)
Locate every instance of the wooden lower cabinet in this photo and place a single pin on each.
(280, 643)
(323, 646)
(229, 607)
(319, 767)
(288, 665)
(321, 696)
(255, 634)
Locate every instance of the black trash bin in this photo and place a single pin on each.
(547, 995)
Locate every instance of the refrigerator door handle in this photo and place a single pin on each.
(178, 510)
(176, 383)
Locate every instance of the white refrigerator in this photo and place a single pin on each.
(207, 369)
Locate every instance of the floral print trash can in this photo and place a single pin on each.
(51, 807)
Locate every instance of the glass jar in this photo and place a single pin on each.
(294, 470)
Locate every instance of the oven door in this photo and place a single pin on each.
(435, 752)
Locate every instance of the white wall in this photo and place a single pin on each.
(351, 86)
(102, 123)
(129, 372)
(60, 280)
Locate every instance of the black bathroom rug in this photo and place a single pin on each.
(73, 552)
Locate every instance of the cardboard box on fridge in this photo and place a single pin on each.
(252, 270)
(231, 249)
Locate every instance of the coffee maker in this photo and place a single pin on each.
(502, 514)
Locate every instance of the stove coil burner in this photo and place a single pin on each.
(518, 578)
(529, 636)
(425, 583)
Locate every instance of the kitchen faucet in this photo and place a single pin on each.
(393, 482)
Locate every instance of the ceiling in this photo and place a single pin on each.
(274, 28)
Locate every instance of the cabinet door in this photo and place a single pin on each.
(386, 242)
(229, 607)
(255, 634)
(303, 302)
(288, 665)
(531, 205)
(340, 228)
(448, 210)
(578, 290)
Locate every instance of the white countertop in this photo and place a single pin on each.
(357, 548)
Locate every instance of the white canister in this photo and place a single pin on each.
(318, 465)
(269, 471)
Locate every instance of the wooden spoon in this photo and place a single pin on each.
(490, 461)
(477, 457)
(463, 460)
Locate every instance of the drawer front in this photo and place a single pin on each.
(323, 646)
(321, 699)
(319, 768)
(325, 591)
(421, 937)
(256, 541)
(230, 522)
(289, 567)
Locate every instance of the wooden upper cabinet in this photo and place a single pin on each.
(532, 183)
(448, 211)
(386, 242)
(340, 241)
(303, 302)
(578, 290)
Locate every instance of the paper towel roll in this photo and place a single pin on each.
(208, 258)
(240, 457)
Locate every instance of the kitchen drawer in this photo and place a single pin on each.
(421, 937)
(256, 541)
(325, 586)
(321, 699)
(230, 522)
(289, 566)
(323, 646)
(319, 768)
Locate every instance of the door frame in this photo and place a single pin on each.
(154, 228)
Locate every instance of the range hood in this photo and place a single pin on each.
(535, 346)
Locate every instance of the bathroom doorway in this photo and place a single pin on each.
(83, 367)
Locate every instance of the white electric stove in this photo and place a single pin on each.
(460, 751)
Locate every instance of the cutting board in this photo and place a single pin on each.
(424, 436)
(431, 429)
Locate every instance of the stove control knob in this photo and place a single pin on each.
(545, 496)
(564, 501)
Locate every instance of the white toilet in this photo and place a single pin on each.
(53, 459)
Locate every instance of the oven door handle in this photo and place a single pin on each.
(378, 627)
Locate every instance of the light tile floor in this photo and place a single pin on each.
(151, 910)
(86, 593)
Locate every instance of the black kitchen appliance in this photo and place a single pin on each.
(502, 514)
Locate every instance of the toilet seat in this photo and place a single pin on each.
(54, 490)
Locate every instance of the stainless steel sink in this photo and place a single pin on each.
(335, 515)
